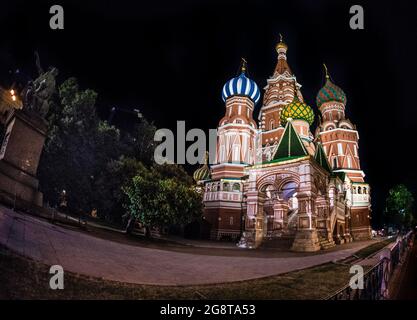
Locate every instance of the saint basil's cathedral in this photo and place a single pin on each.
(273, 179)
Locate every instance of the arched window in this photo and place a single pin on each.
(359, 190)
(364, 190)
(236, 187)
(334, 163)
(288, 190)
(226, 186)
(231, 220)
(271, 124)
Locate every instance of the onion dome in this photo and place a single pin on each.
(241, 86)
(330, 92)
(202, 173)
(297, 110)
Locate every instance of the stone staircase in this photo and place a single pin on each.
(291, 220)
(325, 243)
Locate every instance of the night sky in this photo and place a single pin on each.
(170, 59)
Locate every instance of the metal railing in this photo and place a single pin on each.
(375, 282)
(376, 279)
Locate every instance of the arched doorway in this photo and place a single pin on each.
(288, 194)
(270, 195)
(280, 205)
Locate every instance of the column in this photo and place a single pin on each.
(306, 239)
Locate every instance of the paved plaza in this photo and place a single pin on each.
(82, 253)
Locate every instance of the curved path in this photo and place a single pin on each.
(84, 254)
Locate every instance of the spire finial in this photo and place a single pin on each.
(206, 158)
(281, 45)
(326, 71)
(244, 63)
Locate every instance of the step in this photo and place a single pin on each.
(326, 244)
(279, 243)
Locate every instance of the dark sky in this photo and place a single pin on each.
(171, 59)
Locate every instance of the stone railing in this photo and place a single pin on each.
(360, 198)
(222, 195)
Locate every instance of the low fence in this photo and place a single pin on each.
(376, 279)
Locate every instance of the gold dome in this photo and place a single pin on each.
(202, 173)
(281, 44)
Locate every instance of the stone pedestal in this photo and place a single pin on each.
(306, 237)
(362, 233)
(306, 241)
(19, 157)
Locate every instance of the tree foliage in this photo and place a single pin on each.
(163, 196)
(109, 196)
(82, 151)
(104, 168)
(399, 207)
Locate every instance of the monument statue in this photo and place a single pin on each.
(24, 140)
(39, 93)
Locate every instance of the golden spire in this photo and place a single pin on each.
(326, 71)
(281, 44)
(243, 67)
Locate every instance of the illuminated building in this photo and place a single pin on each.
(276, 180)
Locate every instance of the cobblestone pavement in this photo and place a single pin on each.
(88, 255)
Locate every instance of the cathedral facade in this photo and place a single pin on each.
(273, 179)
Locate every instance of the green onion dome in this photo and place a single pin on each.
(297, 110)
(330, 92)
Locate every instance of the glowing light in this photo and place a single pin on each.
(12, 92)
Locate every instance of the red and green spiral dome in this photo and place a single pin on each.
(330, 92)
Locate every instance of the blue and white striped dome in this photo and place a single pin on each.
(242, 86)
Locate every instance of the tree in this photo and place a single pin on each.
(69, 160)
(163, 196)
(399, 207)
(140, 142)
(108, 194)
(89, 158)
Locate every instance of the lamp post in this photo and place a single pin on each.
(63, 202)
